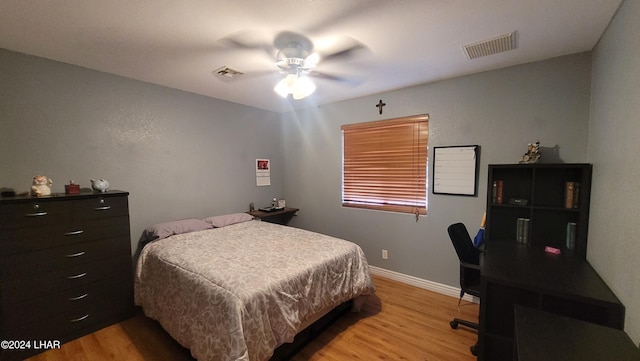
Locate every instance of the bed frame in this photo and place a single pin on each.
(288, 350)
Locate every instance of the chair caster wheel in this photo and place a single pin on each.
(453, 324)
(474, 350)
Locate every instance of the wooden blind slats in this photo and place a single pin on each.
(384, 164)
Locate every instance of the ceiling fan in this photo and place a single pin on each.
(294, 56)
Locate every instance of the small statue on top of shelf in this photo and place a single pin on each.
(532, 155)
(41, 186)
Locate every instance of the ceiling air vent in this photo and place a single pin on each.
(492, 46)
(227, 73)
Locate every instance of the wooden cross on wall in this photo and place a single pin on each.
(380, 105)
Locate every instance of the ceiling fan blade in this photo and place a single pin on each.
(260, 73)
(248, 41)
(345, 13)
(348, 49)
(311, 61)
(343, 79)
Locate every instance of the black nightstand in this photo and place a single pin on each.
(282, 216)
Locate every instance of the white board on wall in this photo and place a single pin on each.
(455, 170)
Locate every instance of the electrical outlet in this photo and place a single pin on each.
(385, 254)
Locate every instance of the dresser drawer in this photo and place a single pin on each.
(99, 207)
(36, 238)
(34, 213)
(61, 258)
(42, 284)
(64, 312)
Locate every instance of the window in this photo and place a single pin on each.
(384, 164)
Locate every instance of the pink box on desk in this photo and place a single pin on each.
(551, 250)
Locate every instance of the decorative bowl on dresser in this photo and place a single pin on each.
(65, 268)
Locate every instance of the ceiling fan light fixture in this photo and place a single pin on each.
(282, 88)
(298, 86)
(290, 80)
(303, 88)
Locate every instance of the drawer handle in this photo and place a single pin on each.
(74, 233)
(79, 318)
(78, 297)
(103, 208)
(37, 214)
(80, 275)
(75, 255)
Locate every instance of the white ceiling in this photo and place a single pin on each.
(408, 42)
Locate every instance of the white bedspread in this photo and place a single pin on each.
(238, 292)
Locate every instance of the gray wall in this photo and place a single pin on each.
(614, 237)
(180, 155)
(502, 111)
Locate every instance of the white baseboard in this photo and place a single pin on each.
(422, 283)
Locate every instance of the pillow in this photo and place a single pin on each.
(228, 219)
(166, 229)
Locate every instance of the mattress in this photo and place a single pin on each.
(237, 292)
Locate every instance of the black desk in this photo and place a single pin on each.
(514, 274)
(546, 336)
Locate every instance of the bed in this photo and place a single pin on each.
(232, 288)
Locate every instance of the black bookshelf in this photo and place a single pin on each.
(538, 192)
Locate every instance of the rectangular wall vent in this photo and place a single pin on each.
(492, 46)
(227, 73)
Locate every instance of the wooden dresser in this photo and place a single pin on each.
(65, 268)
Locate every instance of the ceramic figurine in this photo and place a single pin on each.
(532, 155)
(100, 185)
(41, 186)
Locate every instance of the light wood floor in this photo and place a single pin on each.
(400, 322)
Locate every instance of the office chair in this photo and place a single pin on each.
(469, 257)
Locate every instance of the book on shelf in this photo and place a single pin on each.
(571, 235)
(522, 230)
(494, 192)
(496, 196)
(571, 194)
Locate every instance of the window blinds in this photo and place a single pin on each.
(385, 164)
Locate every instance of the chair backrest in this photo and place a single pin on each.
(463, 244)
